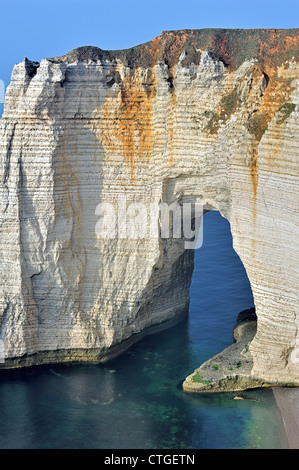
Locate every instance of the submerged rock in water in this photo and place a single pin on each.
(244, 397)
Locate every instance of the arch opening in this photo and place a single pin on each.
(221, 312)
(220, 288)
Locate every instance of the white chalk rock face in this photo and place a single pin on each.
(207, 117)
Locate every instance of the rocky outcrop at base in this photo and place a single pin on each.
(230, 370)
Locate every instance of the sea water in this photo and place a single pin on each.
(136, 401)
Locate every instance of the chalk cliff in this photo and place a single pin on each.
(207, 116)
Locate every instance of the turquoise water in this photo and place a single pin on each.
(136, 401)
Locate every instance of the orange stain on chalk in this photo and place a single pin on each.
(128, 129)
(254, 176)
(171, 126)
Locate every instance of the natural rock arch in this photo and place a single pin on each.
(209, 115)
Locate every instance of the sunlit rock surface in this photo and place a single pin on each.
(207, 116)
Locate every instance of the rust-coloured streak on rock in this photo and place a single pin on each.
(275, 92)
(254, 176)
(128, 129)
(171, 125)
(134, 129)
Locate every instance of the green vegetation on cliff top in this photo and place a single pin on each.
(231, 46)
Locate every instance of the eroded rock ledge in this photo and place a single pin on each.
(207, 116)
(230, 370)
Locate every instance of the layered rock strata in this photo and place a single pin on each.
(207, 116)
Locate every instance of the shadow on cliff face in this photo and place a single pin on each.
(72, 276)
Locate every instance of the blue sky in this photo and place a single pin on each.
(43, 28)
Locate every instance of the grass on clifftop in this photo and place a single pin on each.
(230, 46)
(198, 379)
(228, 105)
(285, 111)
